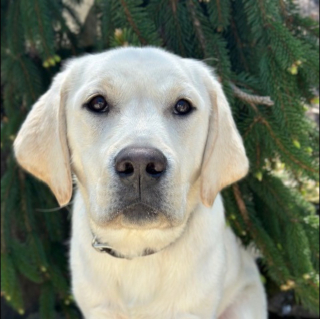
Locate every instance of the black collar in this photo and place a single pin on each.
(104, 248)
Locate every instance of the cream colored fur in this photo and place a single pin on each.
(200, 271)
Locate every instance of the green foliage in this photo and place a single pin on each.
(219, 13)
(264, 47)
(47, 301)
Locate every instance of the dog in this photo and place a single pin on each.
(150, 141)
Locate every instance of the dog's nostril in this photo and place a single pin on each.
(155, 169)
(125, 169)
(128, 169)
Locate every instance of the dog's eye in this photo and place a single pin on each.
(98, 104)
(183, 107)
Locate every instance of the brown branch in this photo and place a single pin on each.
(256, 120)
(132, 23)
(219, 11)
(197, 26)
(237, 225)
(278, 142)
(255, 234)
(314, 285)
(27, 78)
(174, 6)
(41, 28)
(258, 162)
(244, 213)
(291, 217)
(284, 44)
(263, 10)
(249, 98)
(240, 45)
(283, 8)
(241, 205)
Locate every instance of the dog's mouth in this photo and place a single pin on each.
(139, 212)
(127, 232)
(139, 215)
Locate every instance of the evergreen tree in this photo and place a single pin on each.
(267, 57)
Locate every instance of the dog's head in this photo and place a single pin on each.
(148, 136)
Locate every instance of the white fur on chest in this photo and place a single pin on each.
(182, 278)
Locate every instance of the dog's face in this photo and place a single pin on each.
(147, 135)
(137, 158)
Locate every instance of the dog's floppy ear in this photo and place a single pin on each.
(225, 159)
(41, 145)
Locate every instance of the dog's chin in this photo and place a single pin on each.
(137, 228)
(139, 216)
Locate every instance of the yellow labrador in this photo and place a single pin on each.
(151, 141)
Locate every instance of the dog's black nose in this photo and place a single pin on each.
(142, 165)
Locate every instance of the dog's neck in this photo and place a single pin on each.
(85, 234)
(104, 248)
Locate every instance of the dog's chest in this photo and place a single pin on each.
(136, 288)
(138, 282)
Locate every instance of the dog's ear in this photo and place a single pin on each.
(225, 159)
(41, 145)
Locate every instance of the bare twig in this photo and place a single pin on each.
(252, 99)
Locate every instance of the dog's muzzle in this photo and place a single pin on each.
(140, 174)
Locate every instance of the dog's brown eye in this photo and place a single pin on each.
(183, 107)
(98, 104)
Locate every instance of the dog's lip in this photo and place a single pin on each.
(128, 216)
(134, 204)
(139, 214)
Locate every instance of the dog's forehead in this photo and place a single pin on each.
(149, 57)
(132, 65)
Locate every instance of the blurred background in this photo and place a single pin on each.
(266, 54)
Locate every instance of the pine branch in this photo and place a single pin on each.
(238, 93)
(219, 14)
(5, 189)
(132, 23)
(263, 243)
(283, 148)
(177, 24)
(46, 47)
(28, 80)
(241, 205)
(283, 50)
(197, 26)
(280, 145)
(239, 43)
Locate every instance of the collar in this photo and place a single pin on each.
(104, 248)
